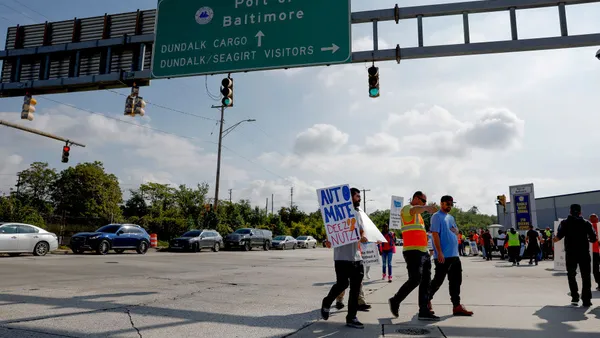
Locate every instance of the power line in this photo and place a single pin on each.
(165, 132)
(16, 11)
(211, 95)
(33, 10)
(167, 108)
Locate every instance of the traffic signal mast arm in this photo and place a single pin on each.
(41, 133)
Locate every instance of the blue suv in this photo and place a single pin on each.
(118, 237)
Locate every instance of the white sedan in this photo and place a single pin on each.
(306, 242)
(18, 238)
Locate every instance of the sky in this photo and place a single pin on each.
(467, 126)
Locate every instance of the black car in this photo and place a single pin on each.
(249, 238)
(118, 237)
(196, 240)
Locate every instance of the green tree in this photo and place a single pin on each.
(88, 194)
(35, 186)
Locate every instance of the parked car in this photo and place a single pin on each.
(118, 237)
(284, 242)
(306, 242)
(18, 238)
(196, 240)
(249, 238)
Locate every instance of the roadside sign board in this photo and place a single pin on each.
(198, 37)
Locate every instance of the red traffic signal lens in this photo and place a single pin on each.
(66, 148)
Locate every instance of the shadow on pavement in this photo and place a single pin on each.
(181, 317)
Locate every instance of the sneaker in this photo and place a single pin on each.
(394, 307)
(460, 310)
(355, 324)
(324, 313)
(430, 307)
(339, 305)
(598, 288)
(587, 304)
(575, 302)
(368, 276)
(536, 263)
(364, 307)
(383, 277)
(428, 316)
(389, 279)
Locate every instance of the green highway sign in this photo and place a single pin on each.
(198, 37)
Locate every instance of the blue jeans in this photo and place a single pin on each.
(386, 260)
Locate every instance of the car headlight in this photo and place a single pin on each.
(94, 237)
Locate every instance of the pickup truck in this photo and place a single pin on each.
(248, 238)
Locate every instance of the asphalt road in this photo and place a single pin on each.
(225, 294)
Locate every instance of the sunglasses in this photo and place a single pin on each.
(423, 199)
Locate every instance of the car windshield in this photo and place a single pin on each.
(279, 238)
(192, 234)
(242, 231)
(111, 229)
(302, 238)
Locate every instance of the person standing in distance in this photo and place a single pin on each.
(596, 252)
(578, 233)
(349, 271)
(387, 250)
(416, 256)
(447, 262)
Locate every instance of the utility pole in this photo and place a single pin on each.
(364, 198)
(219, 156)
(267, 207)
(291, 198)
(272, 211)
(230, 190)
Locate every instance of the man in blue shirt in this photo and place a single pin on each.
(447, 262)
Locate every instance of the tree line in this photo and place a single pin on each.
(85, 197)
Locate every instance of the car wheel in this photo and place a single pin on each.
(216, 247)
(119, 251)
(294, 247)
(247, 246)
(267, 246)
(315, 246)
(103, 248)
(142, 248)
(196, 247)
(41, 249)
(283, 246)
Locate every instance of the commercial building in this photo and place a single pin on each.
(550, 209)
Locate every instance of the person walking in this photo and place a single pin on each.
(349, 271)
(487, 244)
(461, 247)
(387, 251)
(447, 262)
(533, 245)
(416, 256)
(500, 243)
(596, 252)
(514, 247)
(578, 233)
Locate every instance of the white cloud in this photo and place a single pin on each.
(319, 139)
(381, 143)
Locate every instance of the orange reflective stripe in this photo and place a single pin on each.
(415, 238)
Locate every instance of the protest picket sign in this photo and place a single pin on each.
(371, 231)
(370, 254)
(339, 216)
(395, 208)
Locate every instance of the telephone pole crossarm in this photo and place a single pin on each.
(40, 133)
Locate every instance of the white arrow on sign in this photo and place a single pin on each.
(259, 35)
(334, 48)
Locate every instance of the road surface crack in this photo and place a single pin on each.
(132, 323)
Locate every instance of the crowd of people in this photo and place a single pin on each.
(446, 244)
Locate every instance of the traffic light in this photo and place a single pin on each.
(502, 201)
(65, 154)
(135, 104)
(373, 82)
(140, 104)
(227, 91)
(28, 107)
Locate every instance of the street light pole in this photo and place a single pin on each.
(222, 134)
(219, 158)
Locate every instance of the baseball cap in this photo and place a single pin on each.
(447, 198)
(575, 208)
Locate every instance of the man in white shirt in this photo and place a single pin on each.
(500, 243)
